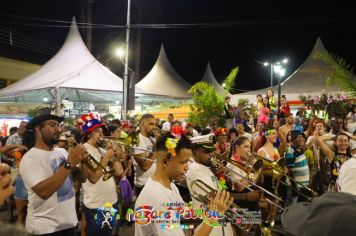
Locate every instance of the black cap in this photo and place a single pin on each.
(42, 115)
(296, 133)
(332, 213)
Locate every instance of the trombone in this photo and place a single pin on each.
(132, 148)
(217, 162)
(266, 226)
(252, 168)
(277, 172)
(130, 144)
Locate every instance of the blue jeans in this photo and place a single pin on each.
(65, 232)
(20, 189)
(93, 229)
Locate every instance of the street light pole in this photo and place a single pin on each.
(279, 94)
(126, 72)
(272, 74)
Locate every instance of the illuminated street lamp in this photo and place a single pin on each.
(120, 52)
(277, 68)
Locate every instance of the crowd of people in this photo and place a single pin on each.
(95, 171)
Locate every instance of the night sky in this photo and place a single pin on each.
(252, 30)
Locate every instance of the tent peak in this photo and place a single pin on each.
(170, 83)
(208, 71)
(74, 20)
(318, 46)
(210, 79)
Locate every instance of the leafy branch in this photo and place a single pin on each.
(207, 104)
(341, 73)
(230, 80)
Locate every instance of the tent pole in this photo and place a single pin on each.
(57, 101)
(24, 101)
(80, 101)
(126, 77)
(279, 95)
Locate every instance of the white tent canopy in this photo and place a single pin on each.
(73, 72)
(210, 79)
(163, 80)
(309, 78)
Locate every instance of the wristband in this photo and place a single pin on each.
(67, 165)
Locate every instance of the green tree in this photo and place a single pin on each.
(32, 112)
(340, 74)
(229, 81)
(207, 105)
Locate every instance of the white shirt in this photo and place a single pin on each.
(195, 133)
(347, 177)
(155, 194)
(58, 211)
(96, 195)
(166, 126)
(141, 176)
(201, 172)
(235, 177)
(330, 143)
(351, 122)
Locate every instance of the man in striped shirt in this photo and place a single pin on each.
(297, 163)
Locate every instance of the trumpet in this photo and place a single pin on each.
(91, 162)
(93, 165)
(233, 211)
(156, 132)
(276, 170)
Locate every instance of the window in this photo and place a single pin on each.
(2, 83)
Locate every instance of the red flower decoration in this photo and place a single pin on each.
(221, 131)
(177, 131)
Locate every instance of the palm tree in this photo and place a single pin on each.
(341, 73)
